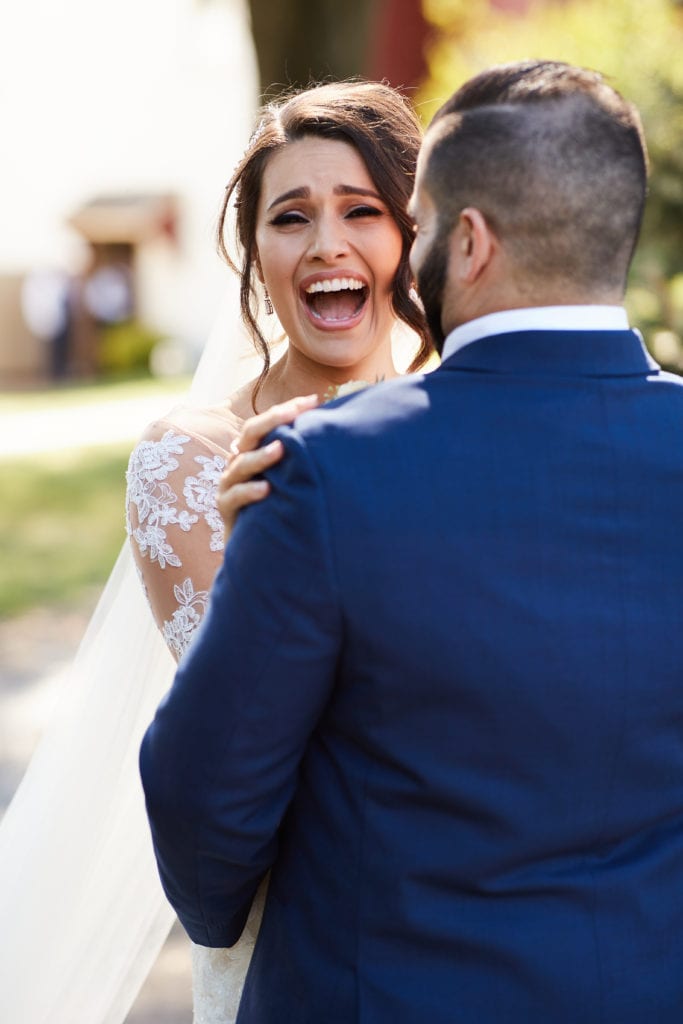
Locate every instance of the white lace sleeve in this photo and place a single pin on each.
(175, 528)
(177, 539)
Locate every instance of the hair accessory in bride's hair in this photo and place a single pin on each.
(257, 133)
(269, 304)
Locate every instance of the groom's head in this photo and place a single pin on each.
(529, 191)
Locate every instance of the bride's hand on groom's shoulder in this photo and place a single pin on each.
(239, 485)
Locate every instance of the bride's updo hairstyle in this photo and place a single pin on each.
(383, 128)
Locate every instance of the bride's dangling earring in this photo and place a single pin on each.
(269, 304)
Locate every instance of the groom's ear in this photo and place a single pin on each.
(472, 245)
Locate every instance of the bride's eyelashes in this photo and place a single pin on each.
(296, 217)
(284, 219)
(365, 211)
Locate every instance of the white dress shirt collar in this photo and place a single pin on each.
(537, 318)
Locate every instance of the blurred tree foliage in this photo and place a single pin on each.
(639, 48)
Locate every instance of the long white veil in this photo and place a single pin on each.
(82, 912)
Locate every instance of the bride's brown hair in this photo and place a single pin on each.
(383, 128)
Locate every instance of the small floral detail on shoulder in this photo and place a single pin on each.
(154, 499)
(200, 495)
(179, 630)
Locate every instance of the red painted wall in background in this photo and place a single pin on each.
(397, 41)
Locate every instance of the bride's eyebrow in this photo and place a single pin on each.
(356, 190)
(294, 193)
(339, 190)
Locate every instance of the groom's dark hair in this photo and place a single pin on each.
(554, 158)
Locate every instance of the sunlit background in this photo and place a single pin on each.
(121, 123)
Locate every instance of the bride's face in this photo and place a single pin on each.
(328, 250)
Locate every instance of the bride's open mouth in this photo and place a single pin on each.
(335, 303)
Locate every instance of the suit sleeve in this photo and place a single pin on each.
(220, 761)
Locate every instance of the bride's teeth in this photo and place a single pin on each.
(335, 284)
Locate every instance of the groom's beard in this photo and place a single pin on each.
(431, 281)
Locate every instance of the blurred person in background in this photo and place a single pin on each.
(48, 299)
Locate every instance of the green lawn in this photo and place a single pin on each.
(61, 525)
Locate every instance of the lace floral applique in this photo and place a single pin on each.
(200, 495)
(180, 629)
(150, 464)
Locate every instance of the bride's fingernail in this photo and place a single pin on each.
(307, 400)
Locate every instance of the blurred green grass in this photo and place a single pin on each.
(61, 525)
(62, 517)
(90, 393)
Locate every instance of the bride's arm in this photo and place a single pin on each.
(174, 527)
(177, 543)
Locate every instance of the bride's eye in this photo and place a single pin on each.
(289, 217)
(365, 211)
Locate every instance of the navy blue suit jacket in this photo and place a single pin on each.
(440, 690)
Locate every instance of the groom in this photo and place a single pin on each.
(439, 690)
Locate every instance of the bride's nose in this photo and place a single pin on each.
(328, 240)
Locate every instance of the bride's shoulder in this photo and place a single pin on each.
(211, 427)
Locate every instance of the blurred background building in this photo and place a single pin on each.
(120, 125)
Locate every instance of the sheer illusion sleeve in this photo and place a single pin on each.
(174, 526)
(176, 535)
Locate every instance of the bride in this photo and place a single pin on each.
(324, 237)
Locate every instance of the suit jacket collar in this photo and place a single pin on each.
(557, 353)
